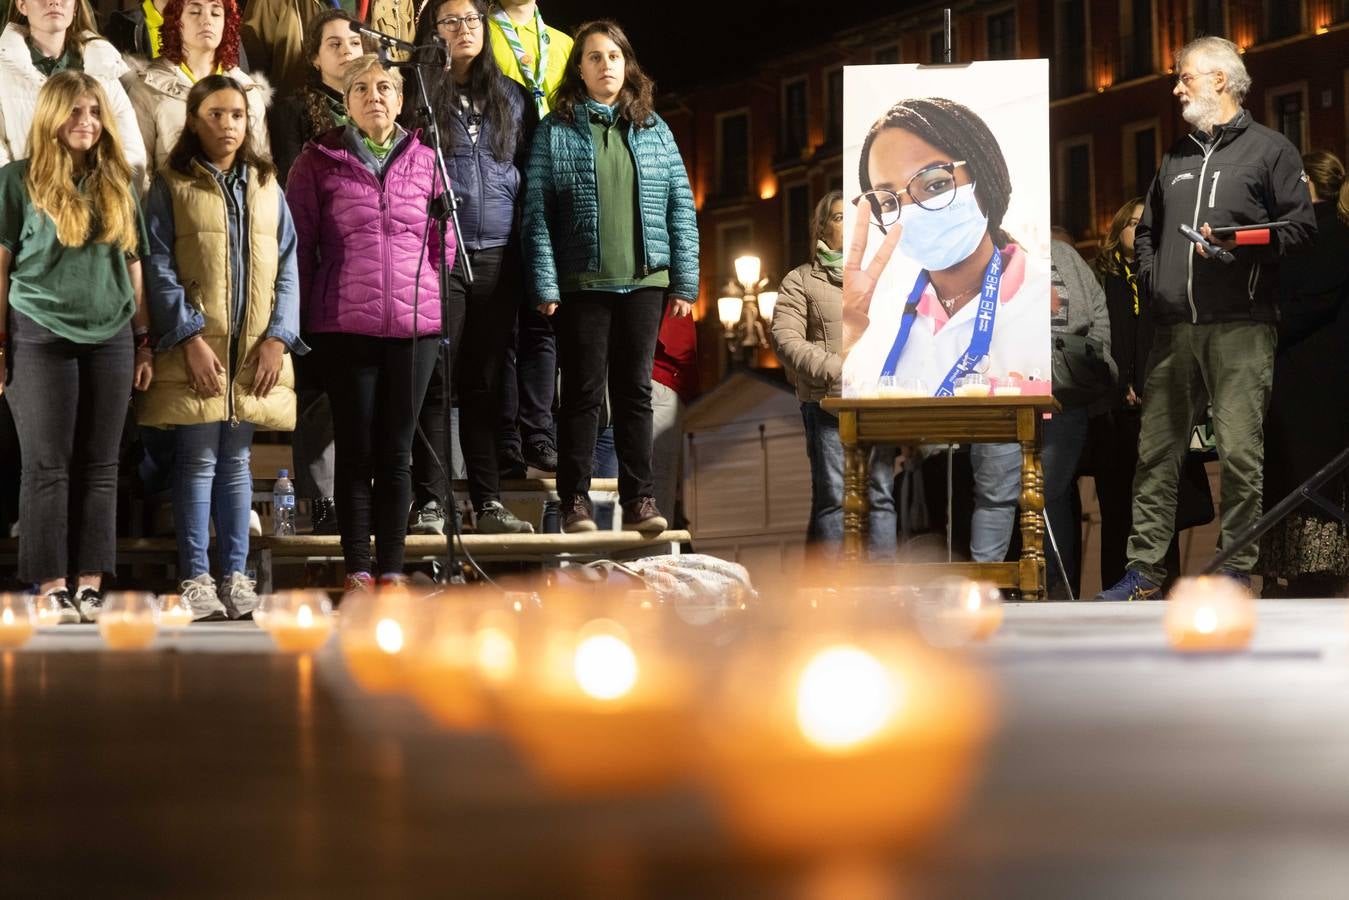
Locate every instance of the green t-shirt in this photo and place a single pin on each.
(83, 293)
(621, 252)
(69, 59)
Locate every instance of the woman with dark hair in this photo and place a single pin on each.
(369, 262)
(611, 237)
(1307, 554)
(806, 333)
(329, 46)
(198, 38)
(71, 244)
(935, 185)
(485, 121)
(225, 307)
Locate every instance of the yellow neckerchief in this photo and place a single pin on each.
(154, 20)
(182, 67)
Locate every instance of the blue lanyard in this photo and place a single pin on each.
(983, 326)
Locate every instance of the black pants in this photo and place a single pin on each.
(376, 386)
(607, 337)
(69, 403)
(529, 379)
(481, 321)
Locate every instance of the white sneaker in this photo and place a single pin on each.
(89, 601)
(199, 594)
(239, 596)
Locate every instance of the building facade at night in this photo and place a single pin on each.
(764, 147)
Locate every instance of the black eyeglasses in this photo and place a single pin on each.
(932, 188)
(454, 23)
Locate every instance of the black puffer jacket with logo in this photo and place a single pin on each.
(1247, 175)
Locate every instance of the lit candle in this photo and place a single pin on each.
(595, 712)
(1209, 614)
(128, 620)
(465, 647)
(304, 630)
(18, 620)
(373, 635)
(972, 386)
(174, 612)
(845, 745)
(956, 611)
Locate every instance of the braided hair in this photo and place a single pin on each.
(958, 131)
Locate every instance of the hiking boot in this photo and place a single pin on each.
(200, 595)
(494, 518)
(323, 516)
(641, 515)
(89, 601)
(540, 454)
(429, 519)
(577, 514)
(239, 596)
(1133, 586)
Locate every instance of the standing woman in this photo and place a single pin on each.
(329, 46)
(485, 121)
(60, 35)
(611, 234)
(368, 260)
(71, 241)
(220, 232)
(198, 38)
(1307, 424)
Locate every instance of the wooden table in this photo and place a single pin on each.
(949, 420)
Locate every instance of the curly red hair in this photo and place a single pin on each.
(171, 35)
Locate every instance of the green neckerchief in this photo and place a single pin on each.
(533, 71)
(69, 59)
(381, 151)
(831, 260)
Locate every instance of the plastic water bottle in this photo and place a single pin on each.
(283, 504)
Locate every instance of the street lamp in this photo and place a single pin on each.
(742, 308)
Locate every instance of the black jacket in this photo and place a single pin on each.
(1248, 175)
(297, 119)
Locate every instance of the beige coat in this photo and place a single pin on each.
(808, 331)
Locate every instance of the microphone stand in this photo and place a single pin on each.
(444, 209)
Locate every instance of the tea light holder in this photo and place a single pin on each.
(973, 385)
(1209, 614)
(464, 650)
(129, 620)
(18, 620)
(298, 621)
(825, 743)
(374, 632)
(174, 612)
(957, 611)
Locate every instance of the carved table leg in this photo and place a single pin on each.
(855, 499)
(1032, 521)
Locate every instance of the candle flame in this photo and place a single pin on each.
(605, 667)
(844, 698)
(389, 636)
(305, 617)
(496, 654)
(1205, 620)
(972, 600)
(7, 617)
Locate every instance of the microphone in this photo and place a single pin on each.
(1211, 249)
(384, 40)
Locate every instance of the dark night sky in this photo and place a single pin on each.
(684, 43)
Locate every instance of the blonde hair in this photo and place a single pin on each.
(363, 64)
(1327, 172)
(107, 197)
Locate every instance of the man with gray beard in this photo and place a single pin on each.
(1215, 319)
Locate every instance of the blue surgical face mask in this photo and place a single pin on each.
(937, 239)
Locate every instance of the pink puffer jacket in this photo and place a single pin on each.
(360, 242)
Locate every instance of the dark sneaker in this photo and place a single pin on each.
(494, 518)
(323, 516)
(201, 597)
(540, 454)
(642, 515)
(1241, 578)
(56, 608)
(1133, 586)
(429, 519)
(89, 601)
(239, 596)
(358, 583)
(577, 514)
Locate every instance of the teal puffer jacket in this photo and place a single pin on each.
(561, 216)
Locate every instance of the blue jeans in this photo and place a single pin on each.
(212, 482)
(1065, 437)
(826, 487)
(997, 489)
